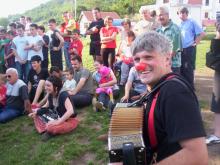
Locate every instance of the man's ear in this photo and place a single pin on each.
(168, 58)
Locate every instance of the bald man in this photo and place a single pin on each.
(17, 101)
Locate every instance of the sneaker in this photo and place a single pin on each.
(212, 139)
(99, 106)
(46, 136)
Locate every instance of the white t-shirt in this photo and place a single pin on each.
(69, 85)
(19, 44)
(126, 50)
(38, 41)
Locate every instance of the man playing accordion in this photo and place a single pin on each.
(176, 135)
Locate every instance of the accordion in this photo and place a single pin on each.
(125, 141)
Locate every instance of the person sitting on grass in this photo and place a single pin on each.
(36, 80)
(59, 102)
(105, 79)
(17, 101)
(70, 83)
(55, 71)
(3, 90)
(82, 95)
(134, 88)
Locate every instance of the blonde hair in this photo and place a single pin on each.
(107, 18)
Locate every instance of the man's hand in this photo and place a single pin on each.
(33, 114)
(73, 92)
(124, 98)
(56, 49)
(23, 61)
(95, 29)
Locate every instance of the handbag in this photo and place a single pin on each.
(47, 114)
(213, 60)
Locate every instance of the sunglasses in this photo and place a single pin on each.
(8, 76)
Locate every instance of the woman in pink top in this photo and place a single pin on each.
(108, 41)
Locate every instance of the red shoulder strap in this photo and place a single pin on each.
(151, 125)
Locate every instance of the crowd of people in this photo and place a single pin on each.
(149, 53)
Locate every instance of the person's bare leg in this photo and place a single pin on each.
(217, 124)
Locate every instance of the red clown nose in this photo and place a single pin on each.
(141, 67)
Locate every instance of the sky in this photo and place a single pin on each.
(9, 7)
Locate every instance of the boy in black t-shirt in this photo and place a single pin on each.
(36, 80)
(93, 31)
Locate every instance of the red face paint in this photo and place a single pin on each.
(141, 67)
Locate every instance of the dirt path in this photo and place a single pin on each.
(204, 84)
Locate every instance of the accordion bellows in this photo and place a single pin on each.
(125, 127)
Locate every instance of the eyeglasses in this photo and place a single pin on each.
(8, 76)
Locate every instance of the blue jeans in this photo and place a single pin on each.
(104, 98)
(23, 70)
(125, 68)
(66, 54)
(81, 99)
(7, 114)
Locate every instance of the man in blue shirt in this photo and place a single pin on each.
(191, 34)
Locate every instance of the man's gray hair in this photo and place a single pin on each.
(164, 9)
(143, 8)
(12, 70)
(151, 41)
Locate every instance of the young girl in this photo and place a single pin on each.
(70, 83)
(126, 59)
(105, 80)
(60, 103)
(3, 90)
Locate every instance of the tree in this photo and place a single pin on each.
(4, 22)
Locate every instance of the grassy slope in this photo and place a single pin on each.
(20, 144)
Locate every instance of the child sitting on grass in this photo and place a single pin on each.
(105, 80)
(69, 83)
(3, 91)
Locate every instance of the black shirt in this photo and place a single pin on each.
(55, 41)
(99, 24)
(34, 77)
(177, 117)
(61, 109)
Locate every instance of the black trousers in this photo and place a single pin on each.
(56, 59)
(187, 61)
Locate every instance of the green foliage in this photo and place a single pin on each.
(4, 22)
(54, 8)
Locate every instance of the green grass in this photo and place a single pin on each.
(20, 144)
(201, 50)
